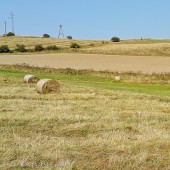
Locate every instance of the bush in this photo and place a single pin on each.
(69, 37)
(46, 36)
(4, 49)
(10, 34)
(52, 47)
(74, 45)
(21, 48)
(30, 50)
(38, 47)
(115, 39)
(92, 45)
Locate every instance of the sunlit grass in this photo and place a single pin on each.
(89, 125)
(145, 47)
(30, 42)
(133, 82)
(132, 49)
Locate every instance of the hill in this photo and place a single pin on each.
(30, 42)
(145, 47)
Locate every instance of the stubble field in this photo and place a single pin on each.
(93, 123)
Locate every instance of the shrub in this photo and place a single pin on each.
(4, 49)
(52, 47)
(30, 50)
(92, 45)
(38, 47)
(69, 37)
(21, 48)
(46, 36)
(74, 45)
(10, 34)
(115, 39)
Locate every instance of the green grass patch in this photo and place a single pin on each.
(98, 82)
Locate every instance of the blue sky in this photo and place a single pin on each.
(88, 19)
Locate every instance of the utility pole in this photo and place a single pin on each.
(5, 26)
(11, 16)
(61, 33)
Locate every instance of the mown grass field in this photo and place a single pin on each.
(145, 47)
(93, 123)
(30, 42)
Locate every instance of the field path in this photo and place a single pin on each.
(145, 64)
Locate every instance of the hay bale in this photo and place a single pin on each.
(31, 79)
(47, 86)
(117, 78)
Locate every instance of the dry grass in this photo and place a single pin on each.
(155, 49)
(30, 42)
(82, 128)
(146, 47)
(126, 77)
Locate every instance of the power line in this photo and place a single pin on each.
(11, 16)
(61, 33)
(5, 23)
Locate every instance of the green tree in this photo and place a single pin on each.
(69, 37)
(10, 34)
(46, 36)
(115, 39)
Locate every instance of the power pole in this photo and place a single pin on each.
(61, 33)
(5, 26)
(11, 16)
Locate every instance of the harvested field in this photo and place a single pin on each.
(145, 64)
(30, 42)
(153, 49)
(145, 47)
(94, 123)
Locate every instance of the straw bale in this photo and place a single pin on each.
(31, 79)
(45, 86)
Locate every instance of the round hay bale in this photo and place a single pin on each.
(45, 86)
(31, 79)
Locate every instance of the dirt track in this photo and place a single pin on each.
(145, 64)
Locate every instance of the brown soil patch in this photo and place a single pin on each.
(145, 64)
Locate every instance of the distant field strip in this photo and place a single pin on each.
(145, 47)
(155, 49)
(145, 64)
(30, 42)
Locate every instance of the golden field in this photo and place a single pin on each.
(93, 123)
(145, 47)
